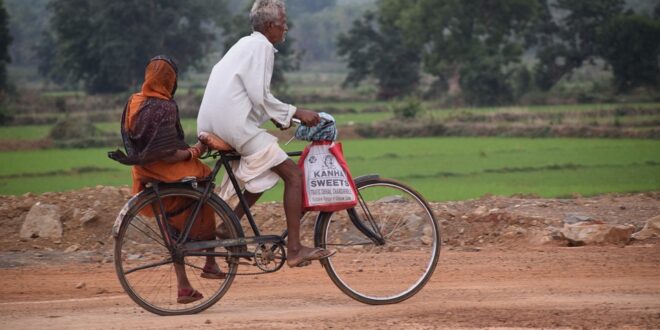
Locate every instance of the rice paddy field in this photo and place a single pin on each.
(440, 168)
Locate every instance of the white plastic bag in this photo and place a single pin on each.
(328, 183)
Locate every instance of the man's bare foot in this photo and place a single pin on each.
(305, 255)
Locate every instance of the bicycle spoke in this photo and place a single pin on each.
(153, 238)
(153, 280)
(156, 264)
(141, 220)
(351, 244)
(191, 265)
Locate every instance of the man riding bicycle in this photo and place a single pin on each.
(237, 101)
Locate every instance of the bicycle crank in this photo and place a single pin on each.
(269, 257)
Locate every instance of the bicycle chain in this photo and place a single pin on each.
(255, 264)
(257, 273)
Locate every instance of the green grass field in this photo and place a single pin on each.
(440, 168)
(462, 168)
(26, 132)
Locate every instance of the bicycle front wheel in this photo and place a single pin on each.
(387, 246)
(145, 263)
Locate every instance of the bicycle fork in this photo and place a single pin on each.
(372, 233)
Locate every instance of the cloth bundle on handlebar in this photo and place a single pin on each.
(325, 130)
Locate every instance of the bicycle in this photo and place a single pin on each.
(392, 224)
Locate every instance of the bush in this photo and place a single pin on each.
(410, 109)
(90, 142)
(69, 128)
(80, 132)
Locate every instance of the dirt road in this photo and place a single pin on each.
(548, 287)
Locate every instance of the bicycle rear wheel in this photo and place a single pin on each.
(397, 259)
(145, 266)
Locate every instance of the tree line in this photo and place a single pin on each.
(475, 48)
(472, 49)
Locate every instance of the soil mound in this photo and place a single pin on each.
(87, 217)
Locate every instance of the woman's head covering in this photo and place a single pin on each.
(151, 128)
(160, 78)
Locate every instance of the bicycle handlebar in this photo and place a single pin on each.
(215, 154)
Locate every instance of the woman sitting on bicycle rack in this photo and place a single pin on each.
(154, 142)
(237, 101)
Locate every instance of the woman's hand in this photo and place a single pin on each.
(201, 147)
(193, 152)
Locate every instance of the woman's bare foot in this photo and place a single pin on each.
(186, 295)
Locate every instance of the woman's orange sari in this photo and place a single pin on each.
(159, 83)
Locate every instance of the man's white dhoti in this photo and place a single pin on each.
(253, 172)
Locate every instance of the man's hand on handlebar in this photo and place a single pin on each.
(308, 118)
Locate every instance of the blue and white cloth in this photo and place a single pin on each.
(325, 130)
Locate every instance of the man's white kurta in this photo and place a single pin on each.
(237, 100)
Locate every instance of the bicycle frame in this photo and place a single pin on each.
(194, 248)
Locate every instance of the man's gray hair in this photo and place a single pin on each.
(264, 12)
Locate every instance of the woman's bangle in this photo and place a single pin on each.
(194, 152)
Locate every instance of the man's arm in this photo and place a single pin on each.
(257, 80)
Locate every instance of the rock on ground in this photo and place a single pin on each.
(651, 229)
(43, 220)
(597, 233)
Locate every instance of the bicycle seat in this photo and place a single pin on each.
(214, 142)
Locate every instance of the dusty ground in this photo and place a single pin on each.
(492, 274)
(586, 287)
